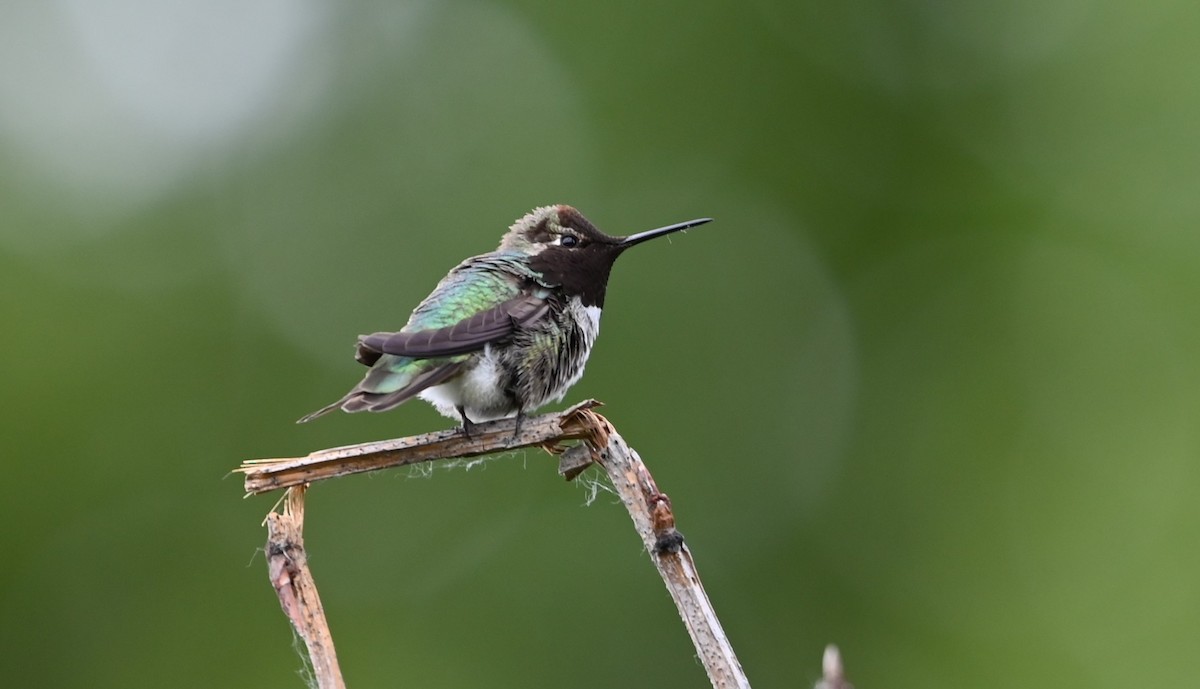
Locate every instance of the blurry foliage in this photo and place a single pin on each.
(926, 389)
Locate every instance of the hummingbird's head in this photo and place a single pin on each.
(568, 250)
(553, 228)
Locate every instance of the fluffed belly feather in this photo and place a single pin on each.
(537, 368)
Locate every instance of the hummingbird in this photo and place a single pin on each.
(504, 332)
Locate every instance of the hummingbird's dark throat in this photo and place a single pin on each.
(581, 272)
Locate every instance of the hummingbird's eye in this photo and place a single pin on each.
(568, 240)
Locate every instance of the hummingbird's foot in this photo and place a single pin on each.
(467, 423)
(520, 420)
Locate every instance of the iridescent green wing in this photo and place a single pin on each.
(484, 300)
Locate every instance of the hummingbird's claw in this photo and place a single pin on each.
(467, 423)
(520, 420)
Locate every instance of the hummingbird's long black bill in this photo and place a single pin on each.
(651, 234)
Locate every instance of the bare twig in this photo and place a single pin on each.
(651, 512)
(287, 566)
(649, 508)
(264, 475)
(834, 674)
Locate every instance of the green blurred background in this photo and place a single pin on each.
(928, 388)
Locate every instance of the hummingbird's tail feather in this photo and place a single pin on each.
(362, 398)
(321, 412)
(366, 355)
(383, 401)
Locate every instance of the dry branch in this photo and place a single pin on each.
(287, 567)
(649, 508)
(263, 475)
(833, 672)
(651, 512)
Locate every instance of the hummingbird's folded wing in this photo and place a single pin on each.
(470, 335)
